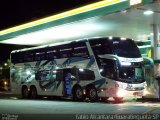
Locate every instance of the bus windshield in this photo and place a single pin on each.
(131, 74)
(125, 48)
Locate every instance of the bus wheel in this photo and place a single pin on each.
(118, 99)
(78, 93)
(92, 93)
(25, 92)
(33, 93)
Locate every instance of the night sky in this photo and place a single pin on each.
(16, 12)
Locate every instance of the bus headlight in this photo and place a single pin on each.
(121, 93)
(146, 92)
(5, 83)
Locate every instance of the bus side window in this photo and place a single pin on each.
(97, 49)
(17, 57)
(20, 57)
(51, 54)
(28, 57)
(107, 47)
(40, 56)
(65, 51)
(80, 50)
(101, 46)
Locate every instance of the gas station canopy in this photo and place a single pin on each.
(123, 18)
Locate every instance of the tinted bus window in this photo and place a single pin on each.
(39, 56)
(65, 51)
(28, 56)
(52, 54)
(80, 50)
(125, 48)
(86, 74)
(13, 57)
(16, 57)
(101, 46)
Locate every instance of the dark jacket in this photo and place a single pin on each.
(158, 80)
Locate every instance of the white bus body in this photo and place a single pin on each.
(91, 68)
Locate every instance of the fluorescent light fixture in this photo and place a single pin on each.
(148, 12)
(123, 38)
(68, 32)
(153, 34)
(110, 37)
(135, 2)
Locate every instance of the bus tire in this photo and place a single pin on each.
(33, 92)
(78, 93)
(118, 99)
(25, 92)
(92, 93)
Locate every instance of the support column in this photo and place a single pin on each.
(155, 43)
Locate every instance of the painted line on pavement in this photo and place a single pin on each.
(151, 110)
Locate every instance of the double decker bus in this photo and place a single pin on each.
(94, 68)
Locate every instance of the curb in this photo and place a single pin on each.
(148, 99)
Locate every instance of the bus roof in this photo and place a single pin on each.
(67, 42)
(49, 45)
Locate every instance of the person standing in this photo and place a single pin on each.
(68, 84)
